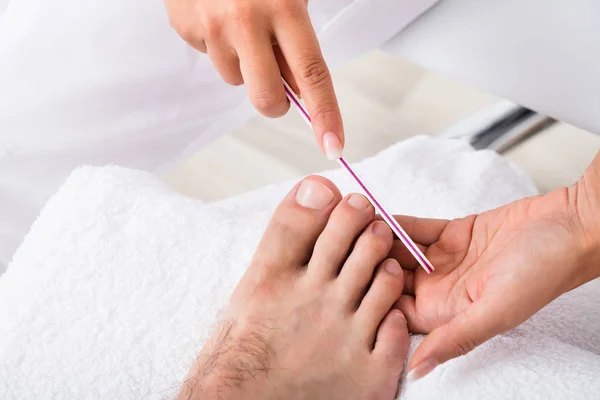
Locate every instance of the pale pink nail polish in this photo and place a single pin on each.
(332, 145)
(424, 368)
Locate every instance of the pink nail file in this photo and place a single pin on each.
(396, 228)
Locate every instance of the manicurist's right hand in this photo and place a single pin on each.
(255, 42)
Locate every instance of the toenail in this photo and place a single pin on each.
(392, 267)
(358, 201)
(399, 317)
(381, 229)
(313, 194)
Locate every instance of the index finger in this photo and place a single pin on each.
(300, 47)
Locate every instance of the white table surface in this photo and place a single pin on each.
(543, 54)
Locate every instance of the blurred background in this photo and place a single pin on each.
(383, 100)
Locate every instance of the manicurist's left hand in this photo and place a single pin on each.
(494, 270)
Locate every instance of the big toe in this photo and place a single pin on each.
(296, 224)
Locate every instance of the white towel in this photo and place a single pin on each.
(120, 280)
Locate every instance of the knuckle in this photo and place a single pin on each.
(240, 11)
(283, 4)
(325, 113)
(212, 29)
(268, 103)
(288, 8)
(464, 345)
(314, 72)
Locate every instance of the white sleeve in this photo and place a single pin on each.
(109, 82)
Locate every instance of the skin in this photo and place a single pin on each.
(256, 42)
(496, 269)
(312, 317)
(492, 269)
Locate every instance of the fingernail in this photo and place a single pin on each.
(332, 145)
(392, 267)
(358, 201)
(313, 194)
(424, 368)
(381, 229)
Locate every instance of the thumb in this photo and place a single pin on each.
(467, 330)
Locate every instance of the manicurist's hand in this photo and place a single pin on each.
(496, 269)
(255, 42)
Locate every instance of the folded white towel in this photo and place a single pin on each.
(119, 281)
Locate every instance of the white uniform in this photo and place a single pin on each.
(109, 82)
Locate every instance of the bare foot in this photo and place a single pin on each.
(311, 317)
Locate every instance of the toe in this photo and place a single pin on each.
(296, 224)
(385, 290)
(371, 248)
(346, 223)
(391, 345)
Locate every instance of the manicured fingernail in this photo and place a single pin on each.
(313, 194)
(358, 201)
(424, 368)
(392, 267)
(381, 229)
(332, 145)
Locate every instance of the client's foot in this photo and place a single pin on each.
(311, 317)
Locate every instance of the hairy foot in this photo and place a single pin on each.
(311, 318)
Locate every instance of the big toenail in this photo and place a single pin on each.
(381, 229)
(392, 267)
(313, 194)
(358, 201)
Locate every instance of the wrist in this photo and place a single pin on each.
(584, 199)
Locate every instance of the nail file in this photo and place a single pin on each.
(392, 223)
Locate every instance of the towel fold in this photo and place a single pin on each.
(120, 280)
